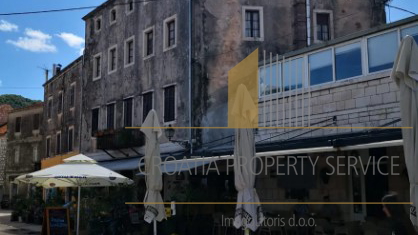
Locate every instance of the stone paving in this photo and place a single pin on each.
(7, 227)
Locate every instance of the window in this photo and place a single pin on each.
(322, 27)
(112, 59)
(169, 104)
(170, 33)
(270, 83)
(292, 75)
(18, 124)
(36, 121)
(49, 111)
(70, 138)
(147, 104)
(321, 67)
(35, 153)
(112, 16)
(17, 154)
(253, 23)
(411, 31)
(97, 64)
(129, 51)
(60, 102)
(149, 42)
(94, 121)
(127, 112)
(48, 146)
(382, 51)
(58, 143)
(72, 95)
(110, 116)
(129, 6)
(98, 24)
(348, 61)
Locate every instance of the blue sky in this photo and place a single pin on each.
(30, 42)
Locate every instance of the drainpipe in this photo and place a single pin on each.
(80, 127)
(190, 79)
(308, 22)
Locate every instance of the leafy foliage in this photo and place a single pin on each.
(16, 101)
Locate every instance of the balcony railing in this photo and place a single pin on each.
(119, 139)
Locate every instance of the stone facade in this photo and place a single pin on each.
(64, 88)
(218, 44)
(24, 146)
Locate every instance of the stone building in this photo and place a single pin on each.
(4, 112)
(175, 57)
(24, 146)
(61, 115)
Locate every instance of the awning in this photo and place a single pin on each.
(121, 164)
(176, 166)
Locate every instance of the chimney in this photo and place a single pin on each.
(56, 69)
(46, 74)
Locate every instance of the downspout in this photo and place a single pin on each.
(308, 22)
(190, 80)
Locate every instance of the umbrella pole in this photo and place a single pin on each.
(78, 211)
(155, 227)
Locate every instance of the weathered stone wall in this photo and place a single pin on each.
(27, 141)
(70, 116)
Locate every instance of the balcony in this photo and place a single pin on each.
(120, 139)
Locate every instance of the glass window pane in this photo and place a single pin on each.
(320, 67)
(382, 51)
(348, 61)
(270, 82)
(293, 74)
(411, 31)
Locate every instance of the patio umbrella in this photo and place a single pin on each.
(248, 212)
(405, 74)
(78, 171)
(154, 209)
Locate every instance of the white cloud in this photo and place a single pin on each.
(72, 40)
(1, 83)
(6, 26)
(35, 41)
(81, 51)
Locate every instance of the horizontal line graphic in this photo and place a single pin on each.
(274, 127)
(268, 203)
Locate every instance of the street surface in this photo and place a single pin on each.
(7, 227)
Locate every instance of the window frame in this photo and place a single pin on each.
(49, 107)
(123, 111)
(366, 49)
(127, 11)
(34, 122)
(18, 130)
(70, 128)
(166, 33)
(58, 151)
(93, 132)
(125, 56)
(48, 146)
(99, 76)
(143, 103)
(60, 102)
(315, 24)
(111, 21)
(244, 9)
(145, 42)
(114, 115)
(95, 24)
(109, 59)
(72, 96)
(174, 86)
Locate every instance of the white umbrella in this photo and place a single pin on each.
(78, 171)
(248, 212)
(405, 74)
(153, 177)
